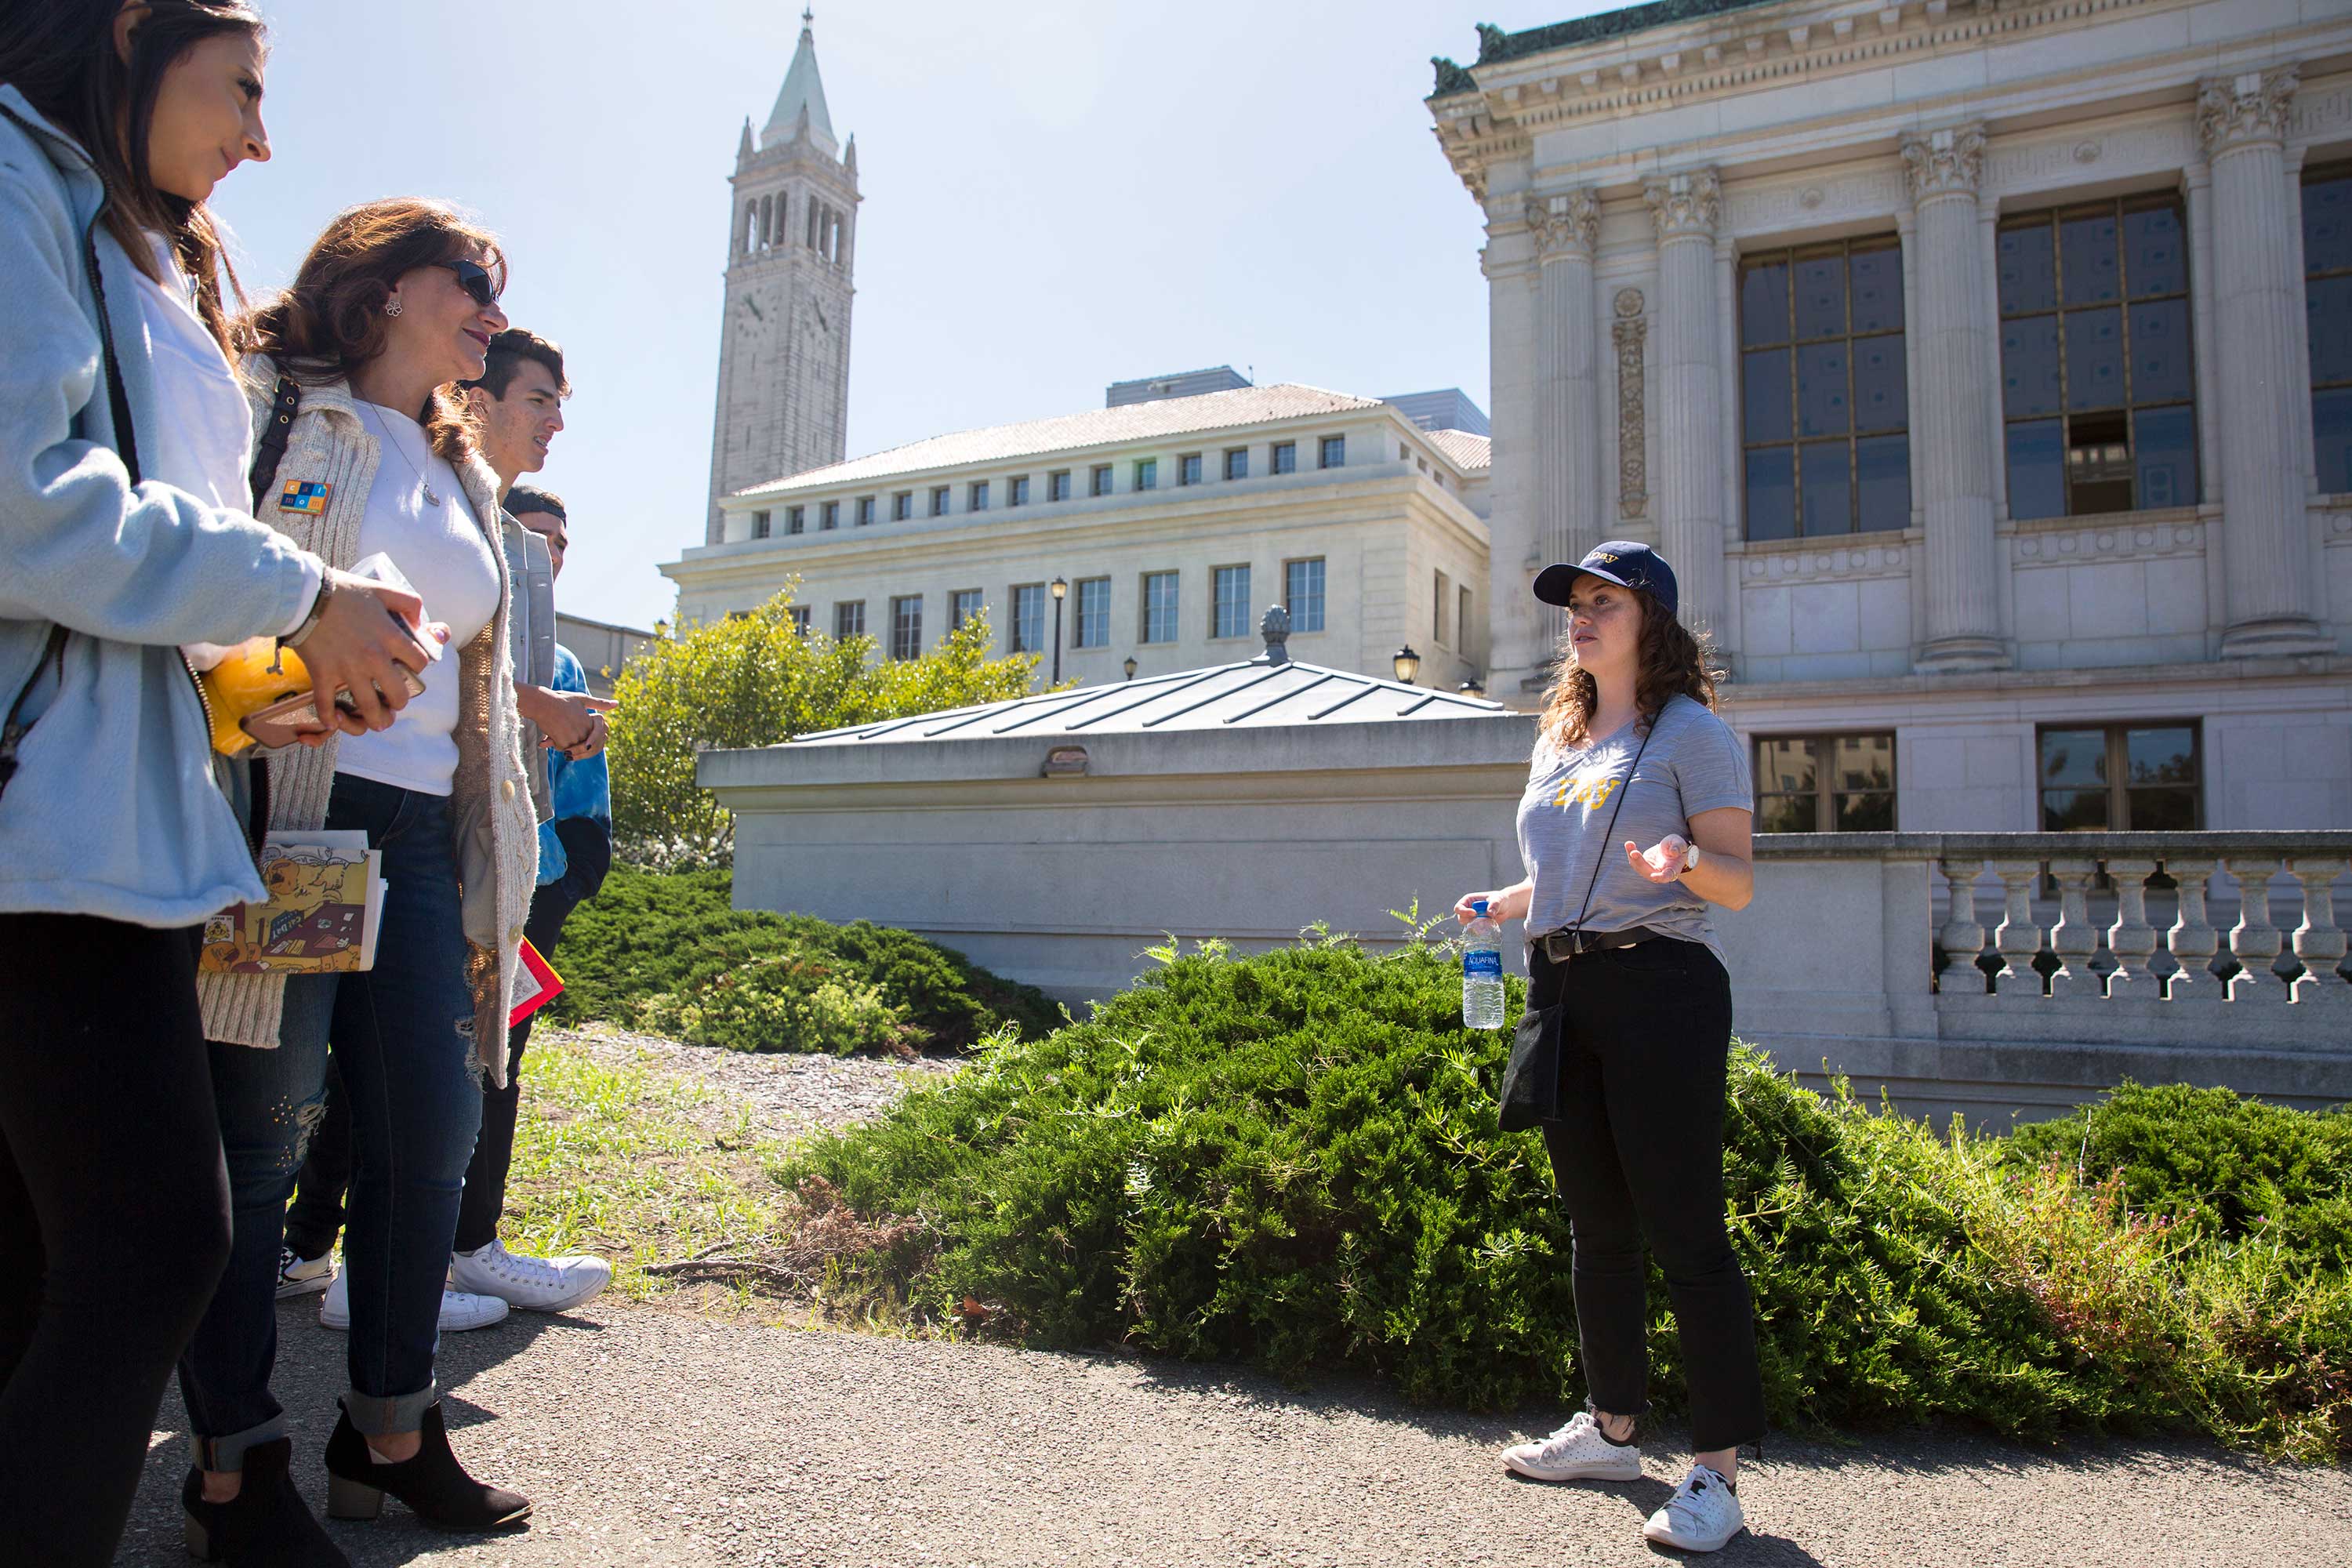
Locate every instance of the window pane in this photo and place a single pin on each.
(2028, 366)
(1764, 304)
(2027, 280)
(1823, 406)
(2095, 358)
(2155, 252)
(1862, 763)
(2098, 465)
(1160, 607)
(2327, 225)
(1303, 595)
(1764, 395)
(1285, 458)
(2327, 317)
(2162, 756)
(2162, 810)
(2074, 757)
(1883, 469)
(2331, 420)
(1772, 493)
(2088, 244)
(1093, 621)
(1878, 289)
(2164, 457)
(2037, 470)
(1786, 814)
(1869, 813)
(1828, 488)
(1821, 297)
(2160, 349)
(1233, 617)
(1786, 767)
(1882, 401)
(2073, 811)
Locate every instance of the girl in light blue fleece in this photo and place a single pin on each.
(116, 840)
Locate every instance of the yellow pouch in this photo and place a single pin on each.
(255, 675)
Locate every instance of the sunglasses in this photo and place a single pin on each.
(474, 280)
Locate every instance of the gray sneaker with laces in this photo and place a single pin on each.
(1701, 1516)
(1577, 1452)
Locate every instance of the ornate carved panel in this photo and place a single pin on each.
(2232, 111)
(1632, 330)
(1566, 223)
(1685, 206)
(1750, 209)
(1947, 163)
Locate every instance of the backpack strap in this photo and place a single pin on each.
(271, 449)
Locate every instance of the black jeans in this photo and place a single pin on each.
(114, 1216)
(486, 1179)
(1637, 1153)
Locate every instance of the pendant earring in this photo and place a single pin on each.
(392, 306)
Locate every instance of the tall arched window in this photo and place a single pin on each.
(767, 221)
(751, 240)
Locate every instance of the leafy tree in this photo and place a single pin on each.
(754, 679)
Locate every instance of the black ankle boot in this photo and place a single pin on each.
(266, 1525)
(433, 1484)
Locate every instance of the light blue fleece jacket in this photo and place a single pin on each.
(114, 810)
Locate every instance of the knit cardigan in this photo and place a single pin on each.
(491, 814)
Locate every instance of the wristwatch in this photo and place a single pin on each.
(1690, 859)
(310, 622)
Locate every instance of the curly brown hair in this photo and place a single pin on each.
(330, 322)
(1674, 661)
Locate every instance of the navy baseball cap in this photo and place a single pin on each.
(1618, 560)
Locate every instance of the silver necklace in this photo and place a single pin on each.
(384, 432)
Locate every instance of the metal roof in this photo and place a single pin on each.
(1268, 691)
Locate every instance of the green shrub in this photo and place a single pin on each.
(2228, 1167)
(1294, 1160)
(667, 951)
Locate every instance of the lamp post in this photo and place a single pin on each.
(1061, 592)
(1130, 666)
(1406, 663)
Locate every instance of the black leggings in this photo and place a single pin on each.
(1637, 1153)
(113, 1217)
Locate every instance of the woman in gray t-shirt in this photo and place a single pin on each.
(1636, 817)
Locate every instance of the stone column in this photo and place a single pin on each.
(1565, 228)
(1515, 651)
(1950, 341)
(1690, 392)
(2258, 297)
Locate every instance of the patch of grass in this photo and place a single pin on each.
(1293, 1160)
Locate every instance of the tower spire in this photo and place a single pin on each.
(803, 92)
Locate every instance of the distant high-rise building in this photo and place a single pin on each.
(1183, 384)
(1447, 409)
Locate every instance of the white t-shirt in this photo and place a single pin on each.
(198, 437)
(443, 553)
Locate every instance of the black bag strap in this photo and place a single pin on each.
(285, 402)
(1609, 834)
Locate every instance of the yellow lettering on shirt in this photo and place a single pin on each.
(1591, 792)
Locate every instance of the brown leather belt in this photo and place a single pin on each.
(1559, 946)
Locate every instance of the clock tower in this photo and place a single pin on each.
(783, 349)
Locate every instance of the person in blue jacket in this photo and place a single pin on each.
(127, 550)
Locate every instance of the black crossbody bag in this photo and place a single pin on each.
(1529, 1095)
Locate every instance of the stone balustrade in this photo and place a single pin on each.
(2041, 968)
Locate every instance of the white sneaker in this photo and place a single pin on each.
(534, 1284)
(302, 1275)
(1701, 1516)
(459, 1310)
(1577, 1452)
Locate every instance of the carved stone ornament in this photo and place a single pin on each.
(2234, 112)
(1631, 330)
(1947, 163)
(1568, 224)
(1685, 206)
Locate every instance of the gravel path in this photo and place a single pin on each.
(651, 1436)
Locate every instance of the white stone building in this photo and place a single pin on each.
(1170, 524)
(1984, 368)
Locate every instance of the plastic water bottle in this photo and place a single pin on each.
(1481, 970)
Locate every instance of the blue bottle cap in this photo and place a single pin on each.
(1478, 907)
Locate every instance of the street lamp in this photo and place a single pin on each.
(1407, 664)
(1130, 666)
(1471, 688)
(1061, 592)
(661, 631)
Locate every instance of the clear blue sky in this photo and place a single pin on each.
(1058, 196)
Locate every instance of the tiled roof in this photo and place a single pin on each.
(1259, 693)
(1070, 432)
(1472, 452)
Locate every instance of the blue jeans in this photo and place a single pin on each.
(402, 1037)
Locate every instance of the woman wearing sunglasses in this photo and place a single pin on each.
(396, 303)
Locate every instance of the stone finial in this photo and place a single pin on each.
(1568, 224)
(2242, 111)
(1947, 163)
(1685, 206)
(1275, 626)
